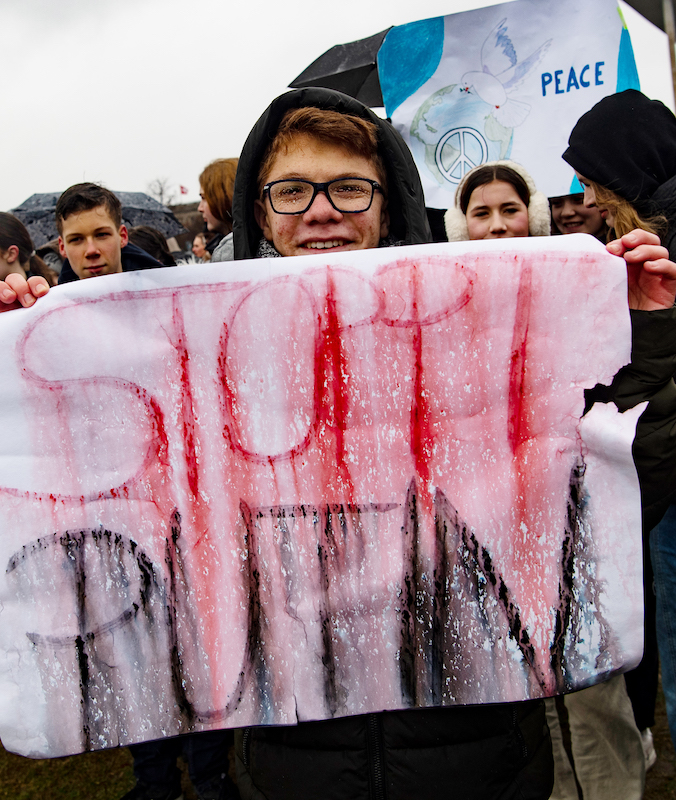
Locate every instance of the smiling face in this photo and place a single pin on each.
(93, 243)
(495, 211)
(571, 215)
(321, 227)
(606, 212)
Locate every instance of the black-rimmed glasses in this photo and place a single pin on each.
(347, 195)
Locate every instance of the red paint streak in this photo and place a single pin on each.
(518, 427)
(421, 433)
(187, 406)
(331, 392)
(519, 423)
(196, 527)
(226, 394)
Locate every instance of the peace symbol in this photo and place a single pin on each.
(464, 140)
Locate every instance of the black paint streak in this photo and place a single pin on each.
(312, 511)
(489, 585)
(255, 644)
(74, 554)
(411, 651)
(435, 660)
(326, 552)
(83, 667)
(176, 576)
(566, 581)
(443, 650)
(341, 554)
(579, 593)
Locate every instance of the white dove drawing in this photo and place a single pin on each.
(501, 73)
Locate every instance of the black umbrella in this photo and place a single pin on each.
(138, 208)
(349, 68)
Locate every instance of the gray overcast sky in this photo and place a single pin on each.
(126, 91)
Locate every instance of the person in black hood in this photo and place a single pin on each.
(625, 150)
(405, 204)
(321, 172)
(624, 153)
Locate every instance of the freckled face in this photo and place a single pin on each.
(93, 243)
(495, 211)
(321, 227)
(571, 215)
(607, 213)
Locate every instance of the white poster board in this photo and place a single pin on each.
(506, 81)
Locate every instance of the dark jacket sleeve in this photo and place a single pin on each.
(649, 376)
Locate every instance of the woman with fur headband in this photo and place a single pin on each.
(497, 200)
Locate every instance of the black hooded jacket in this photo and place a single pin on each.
(627, 143)
(478, 752)
(405, 202)
(133, 259)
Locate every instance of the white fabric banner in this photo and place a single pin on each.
(303, 488)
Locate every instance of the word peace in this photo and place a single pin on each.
(575, 81)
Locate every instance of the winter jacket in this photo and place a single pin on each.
(224, 251)
(648, 377)
(213, 243)
(664, 202)
(492, 751)
(133, 258)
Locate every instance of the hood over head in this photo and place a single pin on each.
(626, 143)
(405, 200)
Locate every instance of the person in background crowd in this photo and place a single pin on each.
(153, 242)
(92, 238)
(571, 215)
(17, 255)
(217, 183)
(624, 153)
(199, 248)
(499, 200)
